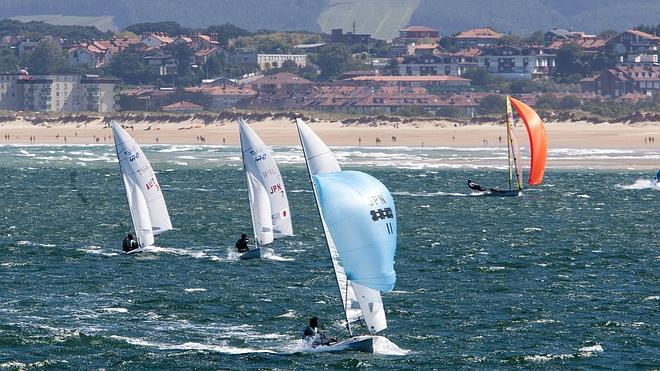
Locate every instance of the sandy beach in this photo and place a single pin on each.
(571, 135)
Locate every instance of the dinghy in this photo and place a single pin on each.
(538, 151)
(269, 206)
(359, 222)
(145, 198)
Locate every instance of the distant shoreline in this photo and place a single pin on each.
(279, 129)
(428, 133)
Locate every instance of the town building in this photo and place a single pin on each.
(97, 53)
(622, 80)
(347, 97)
(587, 46)
(435, 83)
(88, 55)
(220, 98)
(477, 37)
(451, 64)
(156, 39)
(638, 60)
(633, 42)
(419, 34)
(514, 63)
(283, 82)
(268, 61)
(560, 34)
(57, 93)
(182, 107)
(312, 48)
(350, 38)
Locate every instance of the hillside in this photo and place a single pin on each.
(525, 17)
(381, 18)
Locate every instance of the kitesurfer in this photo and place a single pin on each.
(242, 244)
(314, 336)
(657, 177)
(129, 243)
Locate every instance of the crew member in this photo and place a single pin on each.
(242, 244)
(475, 186)
(314, 336)
(129, 243)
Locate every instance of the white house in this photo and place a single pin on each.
(156, 39)
(513, 63)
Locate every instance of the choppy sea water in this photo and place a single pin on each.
(564, 276)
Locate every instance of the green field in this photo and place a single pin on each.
(103, 23)
(380, 18)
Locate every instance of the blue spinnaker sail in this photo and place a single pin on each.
(360, 215)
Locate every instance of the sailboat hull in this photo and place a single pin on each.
(353, 344)
(134, 251)
(502, 193)
(257, 253)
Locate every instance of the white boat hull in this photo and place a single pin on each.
(353, 344)
(259, 252)
(134, 251)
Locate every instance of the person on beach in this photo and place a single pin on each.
(242, 244)
(129, 243)
(314, 336)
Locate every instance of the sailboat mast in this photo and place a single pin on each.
(247, 184)
(325, 234)
(508, 141)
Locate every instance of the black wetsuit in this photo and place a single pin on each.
(242, 245)
(475, 186)
(315, 337)
(129, 244)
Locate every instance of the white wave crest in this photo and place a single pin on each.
(219, 348)
(640, 184)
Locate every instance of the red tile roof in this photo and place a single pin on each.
(182, 105)
(228, 90)
(481, 33)
(434, 78)
(283, 78)
(642, 34)
(418, 29)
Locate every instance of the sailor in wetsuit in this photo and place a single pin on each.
(129, 243)
(242, 244)
(475, 186)
(314, 336)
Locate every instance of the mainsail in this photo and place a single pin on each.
(538, 140)
(269, 205)
(145, 198)
(359, 220)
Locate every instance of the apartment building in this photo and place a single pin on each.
(57, 93)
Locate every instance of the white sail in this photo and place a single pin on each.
(371, 306)
(269, 205)
(139, 213)
(145, 197)
(320, 160)
(262, 223)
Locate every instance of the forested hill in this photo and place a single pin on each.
(248, 14)
(523, 17)
(382, 18)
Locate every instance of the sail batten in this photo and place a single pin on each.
(145, 198)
